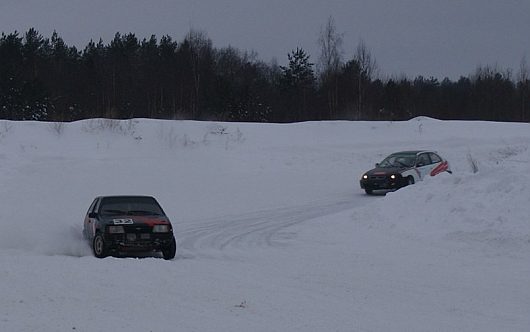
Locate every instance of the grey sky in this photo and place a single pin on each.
(428, 37)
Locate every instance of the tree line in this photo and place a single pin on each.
(45, 79)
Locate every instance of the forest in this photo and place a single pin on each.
(44, 79)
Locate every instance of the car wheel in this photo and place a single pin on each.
(369, 191)
(410, 180)
(98, 246)
(170, 251)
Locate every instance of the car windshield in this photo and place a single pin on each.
(398, 160)
(146, 206)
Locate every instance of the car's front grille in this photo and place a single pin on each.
(138, 229)
(135, 233)
(377, 177)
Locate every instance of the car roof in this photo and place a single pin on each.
(412, 152)
(126, 196)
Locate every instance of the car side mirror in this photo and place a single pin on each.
(92, 215)
(376, 164)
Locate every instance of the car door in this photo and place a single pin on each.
(90, 223)
(439, 165)
(423, 164)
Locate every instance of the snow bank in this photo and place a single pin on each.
(273, 230)
(488, 209)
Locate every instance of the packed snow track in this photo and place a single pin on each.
(260, 228)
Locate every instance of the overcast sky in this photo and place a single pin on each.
(413, 37)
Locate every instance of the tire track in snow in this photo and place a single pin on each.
(259, 228)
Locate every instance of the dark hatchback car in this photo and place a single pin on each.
(403, 168)
(116, 225)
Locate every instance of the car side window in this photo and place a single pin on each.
(435, 158)
(423, 159)
(98, 204)
(91, 208)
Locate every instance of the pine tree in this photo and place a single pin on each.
(298, 82)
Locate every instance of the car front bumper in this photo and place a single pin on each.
(382, 183)
(138, 242)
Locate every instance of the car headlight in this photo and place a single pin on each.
(365, 177)
(116, 230)
(160, 228)
(393, 176)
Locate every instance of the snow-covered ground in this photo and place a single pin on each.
(274, 233)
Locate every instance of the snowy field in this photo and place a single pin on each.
(273, 230)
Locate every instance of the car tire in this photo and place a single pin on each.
(170, 251)
(369, 191)
(98, 246)
(410, 180)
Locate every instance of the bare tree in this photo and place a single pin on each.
(330, 60)
(200, 52)
(524, 85)
(367, 68)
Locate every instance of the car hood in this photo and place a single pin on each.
(136, 220)
(385, 170)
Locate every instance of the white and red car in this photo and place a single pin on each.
(403, 168)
